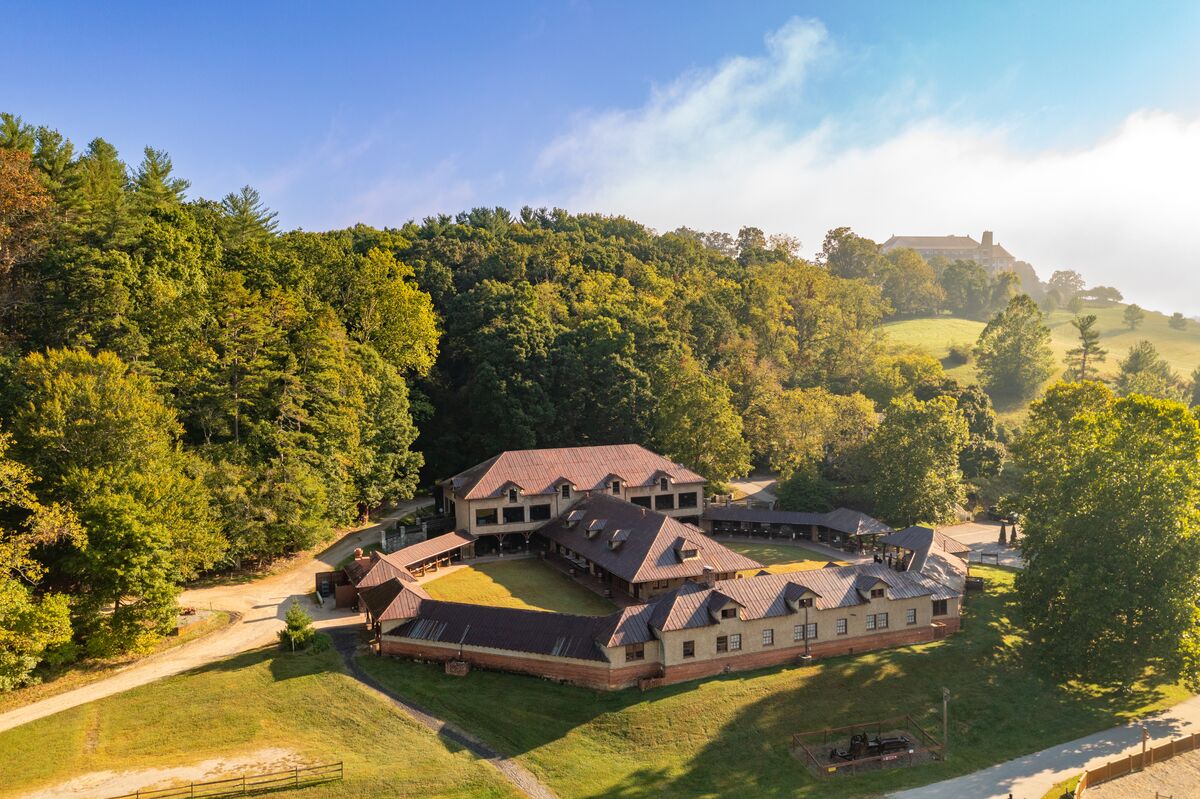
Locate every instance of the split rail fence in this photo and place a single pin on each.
(245, 785)
(1135, 762)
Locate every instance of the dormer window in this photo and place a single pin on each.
(566, 490)
(664, 484)
(512, 495)
(616, 487)
(806, 602)
(728, 613)
(876, 593)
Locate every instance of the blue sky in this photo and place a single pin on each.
(1069, 128)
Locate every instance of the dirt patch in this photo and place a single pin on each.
(102, 784)
(1178, 777)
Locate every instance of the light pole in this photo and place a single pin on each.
(945, 723)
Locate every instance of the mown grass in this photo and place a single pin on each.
(527, 583)
(1180, 348)
(57, 680)
(778, 558)
(729, 735)
(302, 702)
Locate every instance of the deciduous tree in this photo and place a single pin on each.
(1014, 352)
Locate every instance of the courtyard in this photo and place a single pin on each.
(528, 583)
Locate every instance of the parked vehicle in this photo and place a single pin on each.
(862, 747)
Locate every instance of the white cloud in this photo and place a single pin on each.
(721, 148)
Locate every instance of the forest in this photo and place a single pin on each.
(185, 388)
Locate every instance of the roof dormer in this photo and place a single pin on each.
(871, 587)
(685, 550)
(799, 597)
(722, 606)
(618, 538)
(595, 527)
(573, 518)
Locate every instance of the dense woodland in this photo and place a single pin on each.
(184, 388)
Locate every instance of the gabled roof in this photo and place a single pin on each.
(843, 520)
(393, 599)
(648, 551)
(934, 554)
(538, 471)
(513, 629)
(431, 548)
(378, 569)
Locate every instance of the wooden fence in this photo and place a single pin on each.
(1136, 762)
(245, 785)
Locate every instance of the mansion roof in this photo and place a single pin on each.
(639, 545)
(542, 471)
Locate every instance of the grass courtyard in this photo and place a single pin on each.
(300, 702)
(728, 735)
(528, 583)
(779, 558)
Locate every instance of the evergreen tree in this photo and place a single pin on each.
(299, 631)
(247, 219)
(1082, 360)
(1177, 321)
(153, 186)
(1144, 371)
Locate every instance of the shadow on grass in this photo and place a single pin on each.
(730, 735)
(528, 580)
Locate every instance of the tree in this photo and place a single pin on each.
(1131, 468)
(913, 461)
(803, 427)
(1194, 394)
(247, 219)
(1082, 360)
(910, 284)
(1134, 315)
(32, 625)
(1144, 371)
(967, 288)
(98, 438)
(299, 631)
(1075, 305)
(853, 257)
(1177, 321)
(1013, 351)
(1067, 282)
(153, 186)
(25, 210)
(695, 423)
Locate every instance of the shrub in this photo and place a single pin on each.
(960, 354)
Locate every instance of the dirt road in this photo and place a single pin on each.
(261, 605)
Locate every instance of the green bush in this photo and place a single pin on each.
(959, 354)
(299, 631)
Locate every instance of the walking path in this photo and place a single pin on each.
(1031, 776)
(261, 604)
(521, 778)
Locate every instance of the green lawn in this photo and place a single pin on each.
(521, 583)
(301, 702)
(729, 735)
(779, 558)
(1181, 348)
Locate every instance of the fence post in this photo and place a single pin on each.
(297, 774)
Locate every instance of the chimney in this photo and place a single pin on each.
(709, 578)
(987, 239)
(358, 553)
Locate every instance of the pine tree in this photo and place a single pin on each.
(1134, 316)
(1082, 360)
(153, 186)
(299, 631)
(246, 218)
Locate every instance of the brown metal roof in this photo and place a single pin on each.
(541, 471)
(431, 548)
(378, 569)
(513, 629)
(393, 599)
(647, 542)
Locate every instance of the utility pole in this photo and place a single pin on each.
(945, 723)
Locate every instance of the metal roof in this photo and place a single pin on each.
(843, 520)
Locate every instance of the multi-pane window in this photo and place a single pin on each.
(939, 607)
(910, 616)
(512, 495)
(811, 632)
(642, 501)
(566, 491)
(689, 649)
(514, 515)
(485, 516)
(870, 621)
(539, 513)
(616, 486)
(807, 602)
(663, 484)
(735, 642)
(806, 632)
(841, 627)
(635, 652)
(728, 613)
(876, 593)
(768, 637)
(687, 499)
(664, 501)
(722, 643)
(881, 620)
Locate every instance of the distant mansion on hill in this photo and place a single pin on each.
(630, 522)
(988, 254)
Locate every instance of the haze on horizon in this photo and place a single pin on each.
(1072, 132)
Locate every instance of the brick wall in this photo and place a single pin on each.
(605, 676)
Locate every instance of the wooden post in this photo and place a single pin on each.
(243, 784)
(945, 723)
(297, 776)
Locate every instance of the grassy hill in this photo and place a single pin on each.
(1181, 348)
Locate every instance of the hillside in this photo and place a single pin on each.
(1181, 348)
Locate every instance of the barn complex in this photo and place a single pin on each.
(689, 610)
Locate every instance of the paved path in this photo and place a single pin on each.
(984, 540)
(521, 778)
(1031, 776)
(260, 605)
